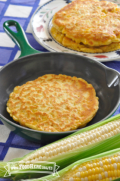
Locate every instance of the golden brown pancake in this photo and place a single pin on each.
(69, 43)
(53, 103)
(88, 26)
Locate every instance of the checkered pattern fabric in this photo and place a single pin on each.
(12, 145)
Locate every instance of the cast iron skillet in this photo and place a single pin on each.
(105, 81)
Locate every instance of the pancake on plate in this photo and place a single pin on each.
(53, 103)
(88, 26)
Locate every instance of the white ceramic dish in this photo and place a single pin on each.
(41, 23)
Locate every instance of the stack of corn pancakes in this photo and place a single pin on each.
(88, 26)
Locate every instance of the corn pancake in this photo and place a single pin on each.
(67, 42)
(93, 23)
(53, 103)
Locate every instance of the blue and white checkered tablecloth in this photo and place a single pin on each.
(12, 145)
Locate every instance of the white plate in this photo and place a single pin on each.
(41, 23)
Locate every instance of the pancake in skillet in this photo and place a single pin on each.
(53, 103)
(88, 26)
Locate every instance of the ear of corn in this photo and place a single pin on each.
(101, 167)
(92, 140)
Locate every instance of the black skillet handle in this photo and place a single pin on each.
(19, 38)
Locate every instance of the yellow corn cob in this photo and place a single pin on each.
(102, 167)
(106, 168)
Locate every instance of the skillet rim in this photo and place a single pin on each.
(66, 132)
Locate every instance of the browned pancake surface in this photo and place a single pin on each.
(90, 22)
(69, 43)
(53, 103)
